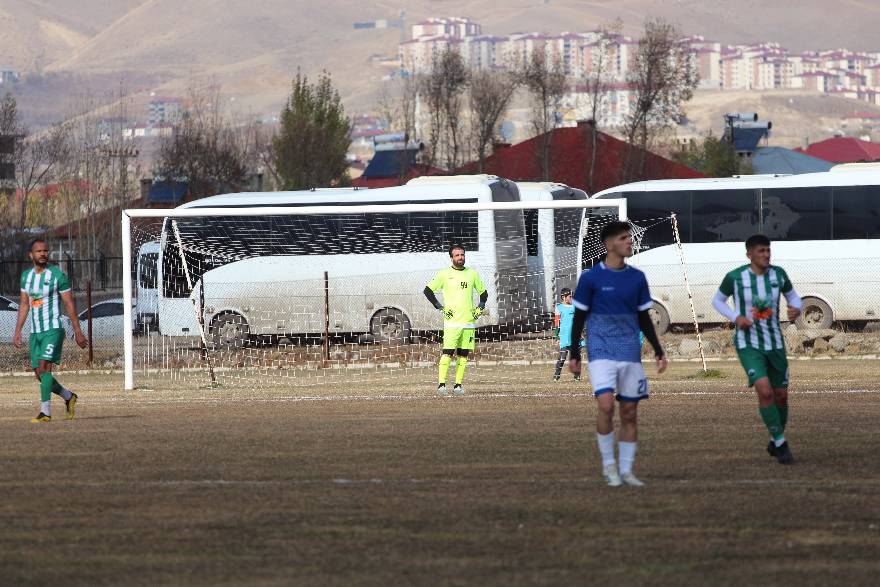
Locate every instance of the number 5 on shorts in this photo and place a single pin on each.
(50, 348)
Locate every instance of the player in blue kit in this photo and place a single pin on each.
(613, 300)
(564, 320)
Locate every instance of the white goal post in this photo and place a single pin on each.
(614, 207)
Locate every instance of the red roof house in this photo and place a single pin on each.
(570, 157)
(843, 150)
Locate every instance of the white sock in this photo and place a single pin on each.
(66, 394)
(627, 456)
(46, 407)
(606, 448)
(779, 441)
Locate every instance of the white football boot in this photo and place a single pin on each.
(611, 476)
(631, 479)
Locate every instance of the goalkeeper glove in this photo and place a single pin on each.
(478, 312)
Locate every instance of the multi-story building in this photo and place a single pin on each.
(706, 58)
(8, 76)
(762, 66)
(817, 81)
(164, 111)
(446, 26)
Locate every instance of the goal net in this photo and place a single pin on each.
(273, 298)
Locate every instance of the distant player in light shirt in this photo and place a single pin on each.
(564, 320)
(613, 300)
(44, 288)
(457, 285)
(758, 338)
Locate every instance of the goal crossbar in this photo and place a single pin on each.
(128, 267)
(619, 203)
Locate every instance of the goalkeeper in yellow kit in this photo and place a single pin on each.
(457, 284)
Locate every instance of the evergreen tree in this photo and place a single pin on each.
(311, 146)
(713, 157)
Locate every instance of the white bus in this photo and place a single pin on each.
(147, 305)
(264, 276)
(825, 230)
(551, 241)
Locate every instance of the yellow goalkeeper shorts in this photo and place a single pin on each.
(458, 338)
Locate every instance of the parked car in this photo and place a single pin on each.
(107, 321)
(8, 317)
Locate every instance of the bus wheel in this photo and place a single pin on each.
(230, 330)
(660, 317)
(390, 325)
(815, 314)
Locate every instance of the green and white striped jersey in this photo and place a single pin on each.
(757, 298)
(44, 291)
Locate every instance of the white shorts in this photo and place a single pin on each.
(627, 379)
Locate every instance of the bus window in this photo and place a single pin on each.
(530, 218)
(646, 209)
(148, 262)
(566, 227)
(856, 212)
(722, 216)
(797, 214)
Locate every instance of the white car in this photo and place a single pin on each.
(107, 320)
(8, 317)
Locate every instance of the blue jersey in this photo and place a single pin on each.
(612, 299)
(566, 321)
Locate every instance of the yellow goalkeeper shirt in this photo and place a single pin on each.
(457, 287)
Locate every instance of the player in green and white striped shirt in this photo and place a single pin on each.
(44, 288)
(758, 338)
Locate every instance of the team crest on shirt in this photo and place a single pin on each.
(751, 372)
(762, 308)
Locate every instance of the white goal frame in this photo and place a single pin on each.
(127, 290)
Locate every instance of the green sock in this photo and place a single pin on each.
(770, 415)
(783, 415)
(459, 370)
(444, 367)
(56, 387)
(46, 381)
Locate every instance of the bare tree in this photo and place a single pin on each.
(489, 95)
(599, 81)
(443, 90)
(399, 107)
(207, 149)
(663, 78)
(546, 84)
(36, 156)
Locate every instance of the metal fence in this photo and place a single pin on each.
(104, 272)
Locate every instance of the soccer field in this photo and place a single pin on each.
(388, 484)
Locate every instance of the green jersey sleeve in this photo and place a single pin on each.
(786, 285)
(63, 282)
(726, 286)
(23, 282)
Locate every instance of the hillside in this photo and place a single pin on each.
(799, 117)
(253, 49)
